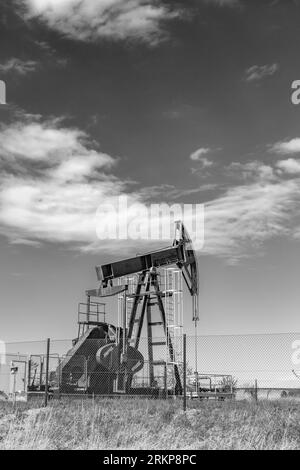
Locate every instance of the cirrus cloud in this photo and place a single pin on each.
(259, 72)
(19, 66)
(248, 215)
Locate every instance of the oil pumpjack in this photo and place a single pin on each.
(104, 359)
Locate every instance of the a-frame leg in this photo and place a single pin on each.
(136, 301)
(150, 345)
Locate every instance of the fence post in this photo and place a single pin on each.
(47, 372)
(28, 374)
(165, 381)
(256, 391)
(184, 372)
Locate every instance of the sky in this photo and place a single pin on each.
(185, 102)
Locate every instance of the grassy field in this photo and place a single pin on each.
(147, 424)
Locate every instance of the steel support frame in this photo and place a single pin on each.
(152, 290)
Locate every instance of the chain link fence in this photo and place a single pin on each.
(220, 367)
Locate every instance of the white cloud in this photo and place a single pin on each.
(89, 20)
(170, 192)
(53, 180)
(246, 216)
(24, 241)
(259, 72)
(286, 148)
(200, 156)
(261, 206)
(254, 170)
(224, 3)
(290, 166)
(39, 141)
(22, 67)
(80, 167)
(63, 151)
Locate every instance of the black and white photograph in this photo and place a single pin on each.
(149, 227)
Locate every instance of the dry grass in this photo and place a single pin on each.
(146, 424)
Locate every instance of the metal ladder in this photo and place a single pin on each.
(174, 311)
